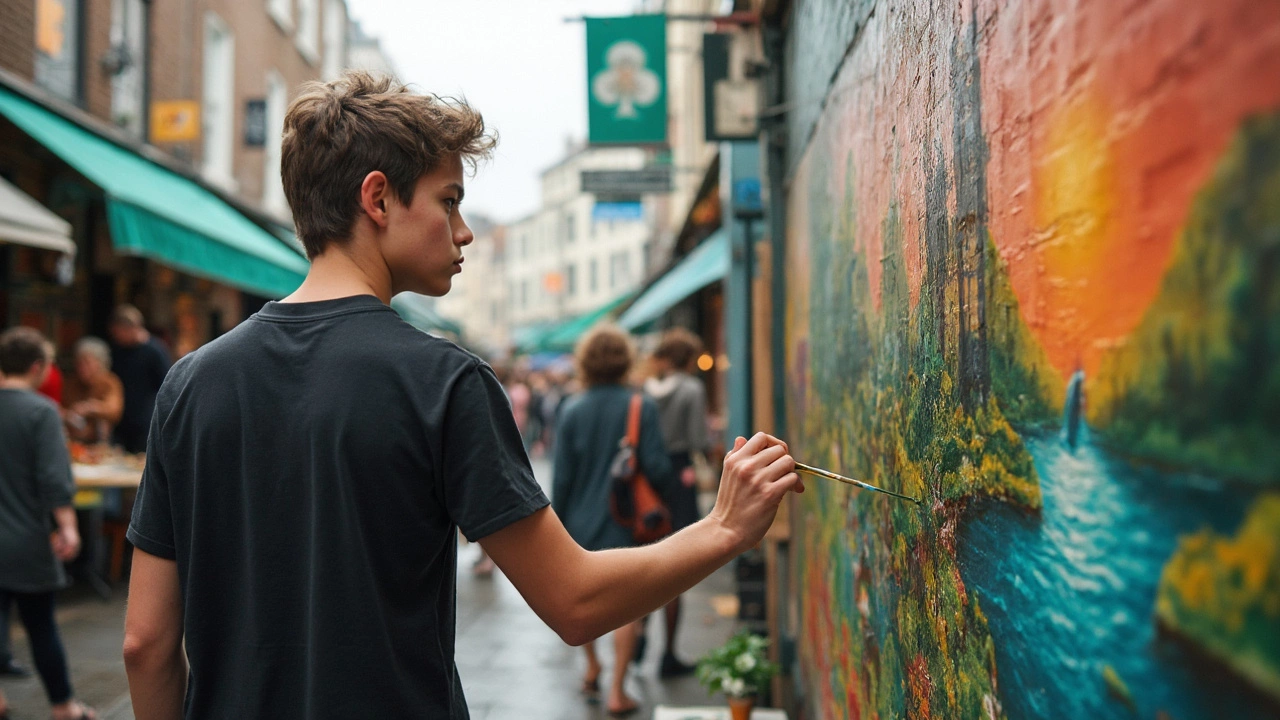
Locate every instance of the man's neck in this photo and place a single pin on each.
(338, 274)
(17, 382)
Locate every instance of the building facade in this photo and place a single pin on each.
(570, 257)
(198, 90)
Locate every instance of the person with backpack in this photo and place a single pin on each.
(591, 427)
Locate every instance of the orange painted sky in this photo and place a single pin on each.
(1104, 120)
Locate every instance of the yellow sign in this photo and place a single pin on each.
(50, 33)
(175, 121)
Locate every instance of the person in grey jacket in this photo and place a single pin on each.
(682, 414)
(590, 428)
(35, 483)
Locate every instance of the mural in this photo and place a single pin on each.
(1035, 249)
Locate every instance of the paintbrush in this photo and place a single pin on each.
(819, 472)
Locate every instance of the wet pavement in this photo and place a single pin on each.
(512, 665)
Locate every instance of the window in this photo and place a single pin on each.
(593, 276)
(308, 38)
(219, 95)
(619, 270)
(569, 228)
(126, 61)
(571, 280)
(273, 198)
(57, 62)
(282, 12)
(335, 39)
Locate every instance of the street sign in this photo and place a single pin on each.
(627, 79)
(608, 211)
(731, 105)
(627, 182)
(175, 121)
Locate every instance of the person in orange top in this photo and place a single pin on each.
(92, 397)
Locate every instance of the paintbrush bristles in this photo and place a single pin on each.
(819, 472)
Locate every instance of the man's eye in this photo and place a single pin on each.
(451, 203)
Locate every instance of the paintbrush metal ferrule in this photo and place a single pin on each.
(819, 472)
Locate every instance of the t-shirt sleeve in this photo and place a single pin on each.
(487, 480)
(53, 463)
(151, 525)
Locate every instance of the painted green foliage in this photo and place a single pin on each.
(1224, 594)
(1198, 383)
(892, 411)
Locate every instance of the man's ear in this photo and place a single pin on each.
(374, 192)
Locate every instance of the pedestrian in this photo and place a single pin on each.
(308, 471)
(591, 427)
(141, 362)
(93, 397)
(37, 521)
(682, 415)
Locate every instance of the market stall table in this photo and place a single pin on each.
(91, 480)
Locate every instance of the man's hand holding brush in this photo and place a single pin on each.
(758, 473)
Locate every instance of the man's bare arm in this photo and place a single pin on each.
(583, 595)
(153, 656)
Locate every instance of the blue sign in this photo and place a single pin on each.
(617, 211)
(746, 197)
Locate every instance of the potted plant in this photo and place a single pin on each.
(739, 669)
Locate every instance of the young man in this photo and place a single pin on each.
(308, 471)
(35, 487)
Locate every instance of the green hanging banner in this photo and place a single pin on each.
(627, 80)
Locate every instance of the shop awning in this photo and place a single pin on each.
(27, 222)
(707, 263)
(564, 336)
(417, 311)
(157, 213)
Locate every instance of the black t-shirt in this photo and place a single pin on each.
(141, 369)
(308, 472)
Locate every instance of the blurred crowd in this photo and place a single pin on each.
(579, 413)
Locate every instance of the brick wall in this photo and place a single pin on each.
(17, 37)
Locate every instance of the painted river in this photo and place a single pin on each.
(1071, 592)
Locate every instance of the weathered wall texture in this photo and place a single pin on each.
(1035, 248)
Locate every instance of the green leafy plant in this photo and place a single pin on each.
(738, 668)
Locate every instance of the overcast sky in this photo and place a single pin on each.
(517, 61)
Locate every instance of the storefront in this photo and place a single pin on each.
(143, 231)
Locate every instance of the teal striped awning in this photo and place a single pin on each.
(157, 213)
(418, 311)
(561, 337)
(707, 263)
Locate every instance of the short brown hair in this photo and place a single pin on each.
(604, 355)
(20, 348)
(336, 133)
(678, 347)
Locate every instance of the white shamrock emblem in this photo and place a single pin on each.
(626, 82)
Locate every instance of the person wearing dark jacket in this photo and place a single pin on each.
(141, 362)
(682, 414)
(591, 426)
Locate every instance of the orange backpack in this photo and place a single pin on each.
(634, 503)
